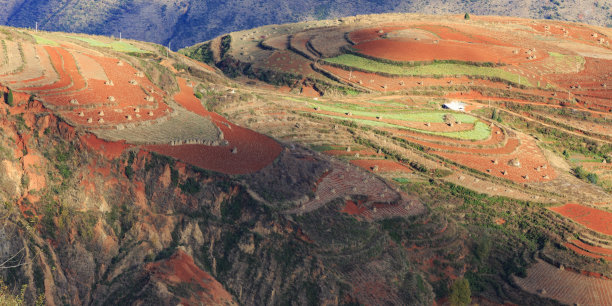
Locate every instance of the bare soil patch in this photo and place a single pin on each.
(595, 219)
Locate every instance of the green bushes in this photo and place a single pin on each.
(226, 42)
(8, 97)
(202, 53)
(460, 292)
(582, 174)
(190, 186)
(495, 115)
(592, 178)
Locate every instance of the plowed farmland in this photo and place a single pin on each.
(593, 218)
(112, 96)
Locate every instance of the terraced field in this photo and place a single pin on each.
(381, 82)
(372, 94)
(566, 286)
(350, 61)
(114, 98)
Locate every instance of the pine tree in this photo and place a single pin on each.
(467, 16)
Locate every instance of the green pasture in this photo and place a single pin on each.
(434, 117)
(44, 41)
(120, 46)
(481, 131)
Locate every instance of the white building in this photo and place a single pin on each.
(454, 105)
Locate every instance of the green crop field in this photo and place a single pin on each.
(44, 41)
(120, 46)
(481, 131)
(434, 117)
(435, 69)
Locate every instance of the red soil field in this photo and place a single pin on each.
(448, 33)
(510, 147)
(288, 61)
(384, 165)
(583, 252)
(592, 248)
(309, 91)
(70, 67)
(254, 150)
(595, 219)
(42, 77)
(595, 73)
(72, 86)
(57, 62)
(376, 82)
(186, 98)
(363, 35)
(181, 269)
(353, 208)
(529, 155)
(130, 99)
(575, 33)
(110, 149)
(403, 50)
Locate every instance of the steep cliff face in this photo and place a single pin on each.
(86, 230)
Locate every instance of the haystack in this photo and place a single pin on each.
(514, 163)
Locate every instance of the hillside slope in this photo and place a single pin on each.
(135, 175)
(186, 22)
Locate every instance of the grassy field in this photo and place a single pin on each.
(563, 63)
(44, 41)
(481, 131)
(120, 46)
(434, 117)
(436, 69)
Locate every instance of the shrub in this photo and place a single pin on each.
(592, 178)
(190, 186)
(129, 172)
(460, 292)
(466, 16)
(580, 173)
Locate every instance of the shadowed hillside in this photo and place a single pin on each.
(186, 22)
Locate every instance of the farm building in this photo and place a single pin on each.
(454, 105)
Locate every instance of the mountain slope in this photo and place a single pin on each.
(134, 175)
(186, 22)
